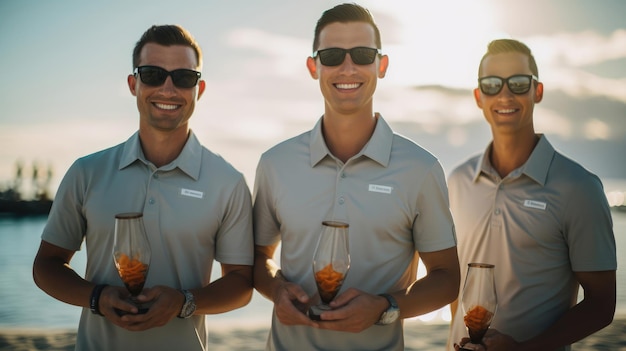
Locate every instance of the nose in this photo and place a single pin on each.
(348, 64)
(505, 92)
(168, 86)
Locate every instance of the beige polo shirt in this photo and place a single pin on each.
(392, 194)
(538, 225)
(196, 209)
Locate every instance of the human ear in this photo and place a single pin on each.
(538, 92)
(312, 66)
(382, 66)
(479, 102)
(201, 87)
(132, 83)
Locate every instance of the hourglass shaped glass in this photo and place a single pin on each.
(331, 263)
(479, 300)
(131, 253)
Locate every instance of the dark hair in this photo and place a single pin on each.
(345, 13)
(167, 35)
(501, 46)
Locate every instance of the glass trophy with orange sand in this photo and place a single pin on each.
(331, 263)
(479, 300)
(131, 253)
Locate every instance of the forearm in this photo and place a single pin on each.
(59, 280)
(265, 273)
(593, 313)
(582, 320)
(232, 291)
(437, 289)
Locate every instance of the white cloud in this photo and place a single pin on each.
(431, 107)
(580, 49)
(580, 83)
(562, 59)
(551, 122)
(596, 129)
(283, 56)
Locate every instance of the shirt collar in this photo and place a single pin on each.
(189, 160)
(536, 167)
(378, 148)
(538, 164)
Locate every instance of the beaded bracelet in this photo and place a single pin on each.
(94, 301)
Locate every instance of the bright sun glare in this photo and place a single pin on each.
(440, 42)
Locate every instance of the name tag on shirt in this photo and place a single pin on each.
(380, 189)
(192, 193)
(535, 204)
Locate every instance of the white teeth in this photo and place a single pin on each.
(166, 107)
(348, 86)
(506, 111)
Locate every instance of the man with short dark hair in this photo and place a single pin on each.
(352, 168)
(196, 208)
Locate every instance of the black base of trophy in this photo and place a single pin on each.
(315, 312)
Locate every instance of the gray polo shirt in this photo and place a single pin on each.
(540, 224)
(196, 209)
(392, 194)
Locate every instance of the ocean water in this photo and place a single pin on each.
(24, 305)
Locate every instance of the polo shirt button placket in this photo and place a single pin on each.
(496, 218)
(155, 176)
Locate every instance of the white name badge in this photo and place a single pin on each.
(535, 204)
(380, 189)
(192, 193)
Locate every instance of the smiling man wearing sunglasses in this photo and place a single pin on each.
(351, 167)
(196, 209)
(541, 218)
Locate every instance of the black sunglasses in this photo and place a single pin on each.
(518, 84)
(156, 76)
(334, 56)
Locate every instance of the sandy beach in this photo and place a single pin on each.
(419, 336)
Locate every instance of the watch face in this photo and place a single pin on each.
(390, 316)
(392, 313)
(189, 307)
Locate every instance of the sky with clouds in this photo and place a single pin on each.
(65, 62)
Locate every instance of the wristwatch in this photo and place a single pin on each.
(189, 307)
(391, 314)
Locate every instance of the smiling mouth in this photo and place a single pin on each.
(162, 106)
(506, 111)
(347, 86)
